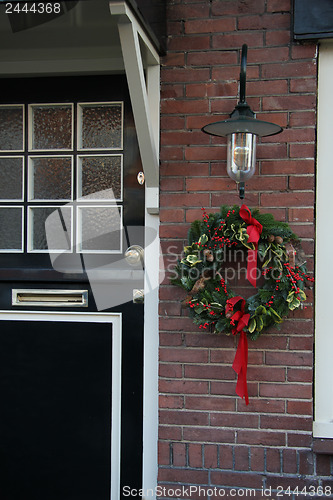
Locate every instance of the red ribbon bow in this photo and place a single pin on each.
(254, 230)
(240, 361)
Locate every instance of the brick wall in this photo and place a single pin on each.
(209, 437)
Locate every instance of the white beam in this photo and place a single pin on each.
(145, 101)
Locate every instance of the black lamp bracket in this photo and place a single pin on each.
(242, 109)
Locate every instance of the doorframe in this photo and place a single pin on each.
(144, 86)
(114, 319)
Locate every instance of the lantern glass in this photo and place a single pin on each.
(241, 160)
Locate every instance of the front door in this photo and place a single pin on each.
(71, 319)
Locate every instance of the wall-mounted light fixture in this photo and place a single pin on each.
(242, 129)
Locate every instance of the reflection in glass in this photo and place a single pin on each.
(11, 229)
(50, 178)
(52, 126)
(101, 126)
(11, 128)
(11, 178)
(99, 229)
(37, 218)
(100, 177)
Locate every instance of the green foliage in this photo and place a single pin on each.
(200, 272)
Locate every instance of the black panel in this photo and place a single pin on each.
(313, 19)
(55, 384)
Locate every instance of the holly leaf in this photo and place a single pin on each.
(203, 239)
(252, 325)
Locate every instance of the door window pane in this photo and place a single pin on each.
(50, 229)
(11, 128)
(100, 177)
(99, 229)
(50, 178)
(11, 178)
(11, 229)
(100, 126)
(51, 126)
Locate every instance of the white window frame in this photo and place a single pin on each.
(323, 418)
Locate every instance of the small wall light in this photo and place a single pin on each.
(242, 129)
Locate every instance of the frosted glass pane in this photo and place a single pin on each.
(58, 223)
(10, 228)
(100, 229)
(11, 128)
(101, 126)
(50, 178)
(11, 178)
(100, 177)
(52, 127)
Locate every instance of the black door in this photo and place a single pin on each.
(70, 206)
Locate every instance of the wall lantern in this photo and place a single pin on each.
(242, 129)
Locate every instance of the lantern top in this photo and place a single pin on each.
(242, 119)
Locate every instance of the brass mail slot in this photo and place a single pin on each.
(50, 298)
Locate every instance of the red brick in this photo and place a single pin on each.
(266, 151)
(301, 343)
(288, 482)
(183, 387)
(235, 40)
(172, 215)
(184, 200)
(210, 455)
(173, 231)
(166, 401)
(302, 119)
(301, 214)
(241, 457)
(303, 85)
(170, 371)
(304, 51)
(231, 198)
(289, 358)
(210, 372)
(185, 75)
(306, 462)
(289, 461)
(268, 54)
(183, 355)
(194, 455)
(185, 169)
(183, 11)
(302, 150)
(171, 91)
(180, 106)
(210, 89)
(209, 435)
(174, 59)
(278, 37)
(226, 457)
(266, 87)
(267, 21)
(278, 6)
(290, 391)
(170, 432)
(273, 460)
(299, 407)
(184, 138)
(296, 199)
(198, 153)
(289, 69)
(215, 403)
(179, 454)
(278, 167)
(171, 153)
(298, 440)
(231, 478)
(172, 184)
(210, 25)
(230, 7)
(299, 375)
(189, 43)
(163, 453)
(260, 437)
(183, 476)
(283, 422)
(257, 458)
(289, 102)
(323, 465)
(172, 123)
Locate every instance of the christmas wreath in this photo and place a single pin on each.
(202, 272)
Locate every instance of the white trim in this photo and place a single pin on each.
(144, 96)
(114, 319)
(323, 425)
